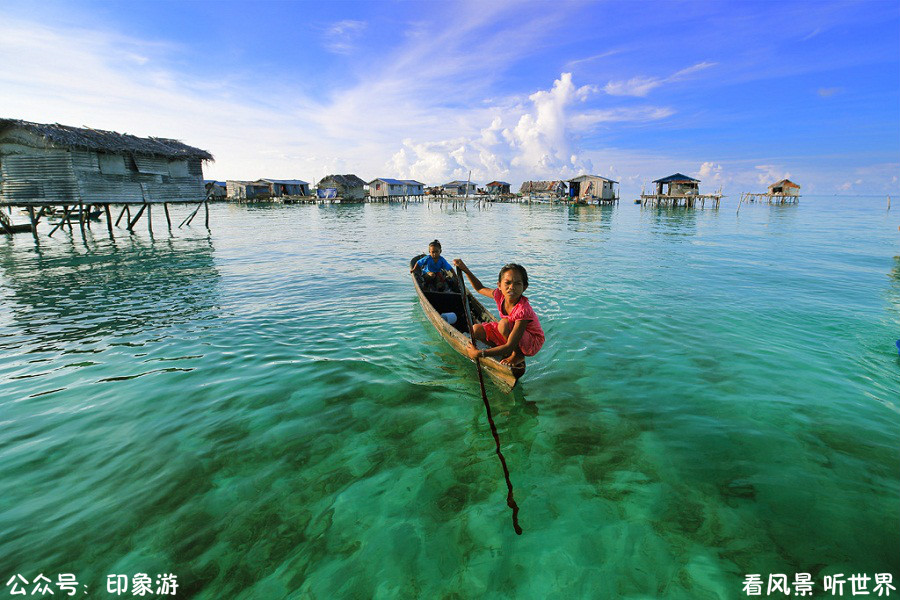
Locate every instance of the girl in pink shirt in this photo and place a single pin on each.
(519, 333)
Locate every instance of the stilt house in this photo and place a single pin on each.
(592, 187)
(458, 188)
(677, 185)
(246, 190)
(785, 187)
(544, 189)
(495, 188)
(285, 187)
(58, 164)
(384, 187)
(349, 186)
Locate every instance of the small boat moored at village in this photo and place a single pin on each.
(435, 303)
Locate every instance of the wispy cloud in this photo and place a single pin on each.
(828, 92)
(581, 61)
(641, 86)
(341, 37)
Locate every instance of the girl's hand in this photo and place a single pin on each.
(472, 351)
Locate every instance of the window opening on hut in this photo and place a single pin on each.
(178, 168)
(112, 164)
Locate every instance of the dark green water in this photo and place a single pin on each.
(263, 410)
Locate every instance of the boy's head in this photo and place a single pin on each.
(434, 249)
(516, 268)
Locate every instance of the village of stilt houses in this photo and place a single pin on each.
(73, 176)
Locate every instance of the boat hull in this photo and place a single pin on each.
(433, 303)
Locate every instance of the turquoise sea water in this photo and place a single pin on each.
(263, 410)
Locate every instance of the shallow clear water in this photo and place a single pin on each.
(264, 411)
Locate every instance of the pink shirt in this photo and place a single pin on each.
(522, 310)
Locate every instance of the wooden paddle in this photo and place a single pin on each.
(510, 501)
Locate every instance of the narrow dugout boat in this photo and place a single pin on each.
(434, 303)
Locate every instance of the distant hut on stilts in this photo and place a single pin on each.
(780, 192)
(679, 190)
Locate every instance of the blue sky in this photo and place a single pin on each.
(736, 94)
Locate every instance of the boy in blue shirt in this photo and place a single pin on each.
(434, 267)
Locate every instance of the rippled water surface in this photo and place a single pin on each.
(263, 410)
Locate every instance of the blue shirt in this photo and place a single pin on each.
(429, 265)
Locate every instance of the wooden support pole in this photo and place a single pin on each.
(33, 222)
(121, 214)
(87, 216)
(62, 220)
(136, 217)
(109, 222)
(168, 220)
(149, 219)
(206, 208)
(190, 217)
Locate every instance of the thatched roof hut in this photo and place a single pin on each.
(59, 164)
(543, 188)
(346, 186)
(784, 187)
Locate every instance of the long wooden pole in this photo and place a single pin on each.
(136, 217)
(109, 224)
(33, 222)
(62, 221)
(510, 501)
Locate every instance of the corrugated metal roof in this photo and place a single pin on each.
(286, 181)
(583, 177)
(497, 183)
(676, 178)
(453, 183)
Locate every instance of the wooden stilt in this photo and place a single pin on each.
(109, 222)
(206, 208)
(87, 216)
(136, 217)
(168, 220)
(33, 222)
(190, 217)
(62, 221)
(150, 219)
(121, 214)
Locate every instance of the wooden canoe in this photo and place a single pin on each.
(435, 303)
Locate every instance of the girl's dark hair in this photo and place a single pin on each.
(515, 267)
(436, 244)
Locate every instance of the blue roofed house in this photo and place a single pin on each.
(677, 185)
(459, 188)
(385, 187)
